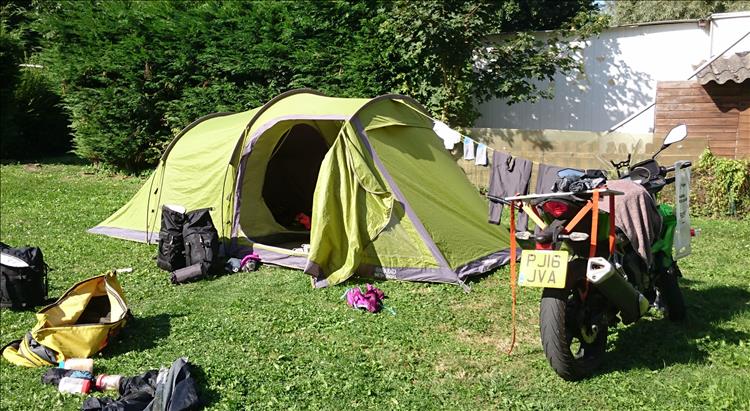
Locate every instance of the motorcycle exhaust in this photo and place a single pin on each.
(610, 281)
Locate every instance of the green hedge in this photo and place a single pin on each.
(42, 127)
(11, 53)
(720, 187)
(133, 73)
(32, 121)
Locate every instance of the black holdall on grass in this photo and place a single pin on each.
(23, 277)
(201, 241)
(171, 245)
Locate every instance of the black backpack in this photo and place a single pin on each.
(23, 278)
(201, 241)
(171, 245)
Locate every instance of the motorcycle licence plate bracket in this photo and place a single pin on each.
(592, 205)
(525, 205)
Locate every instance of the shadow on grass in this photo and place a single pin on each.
(361, 281)
(68, 159)
(479, 278)
(207, 396)
(656, 344)
(141, 333)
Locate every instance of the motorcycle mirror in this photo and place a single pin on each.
(570, 172)
(678, 133)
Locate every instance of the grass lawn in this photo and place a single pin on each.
(266, 340)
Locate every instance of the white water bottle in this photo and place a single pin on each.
(74, 385)
(80, 364)
(105, 382)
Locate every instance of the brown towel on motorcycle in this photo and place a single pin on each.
(636, 215)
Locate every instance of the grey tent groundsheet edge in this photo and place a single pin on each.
(126, 234)
(272, 257)
(475, 267)
(483, 265)
(432, 275)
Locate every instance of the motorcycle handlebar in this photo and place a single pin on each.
(684, 165)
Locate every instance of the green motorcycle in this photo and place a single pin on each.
(593, 272)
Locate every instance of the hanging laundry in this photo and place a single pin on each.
(450, 137)
(468, 148)
(509, 176)
(547, 177)
(481, 157)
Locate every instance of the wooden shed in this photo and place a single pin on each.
(715, 107)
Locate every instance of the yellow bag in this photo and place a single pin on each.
(78, 325)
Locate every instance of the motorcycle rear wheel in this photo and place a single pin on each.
(567, 350)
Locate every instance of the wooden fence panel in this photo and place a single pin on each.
(716, 113)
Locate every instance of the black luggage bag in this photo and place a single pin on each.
(23, 277)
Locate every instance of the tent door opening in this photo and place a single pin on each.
(292, 173)
(289, 184)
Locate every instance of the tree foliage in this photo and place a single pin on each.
(11, 52)
(132, 73)
(32, 122)
(638, 11)
(442, 54)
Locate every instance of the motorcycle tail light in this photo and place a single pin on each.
(555, 208)
(543, 246)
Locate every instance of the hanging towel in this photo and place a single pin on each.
(468, 148)
(509, 176)
(450, 137)
(481, 159)
(636, 215)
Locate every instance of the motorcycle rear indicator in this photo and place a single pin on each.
(555, 208)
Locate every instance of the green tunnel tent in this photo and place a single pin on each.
(386, 199)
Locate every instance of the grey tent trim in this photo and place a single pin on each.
(285, 260)
(276, 100)
(434, 275)
(269, 124)
(484, 264)
(125, 234)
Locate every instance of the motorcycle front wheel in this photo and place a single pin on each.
(671, 294)
(573, 348)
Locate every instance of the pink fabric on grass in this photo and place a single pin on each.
(371, 300)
